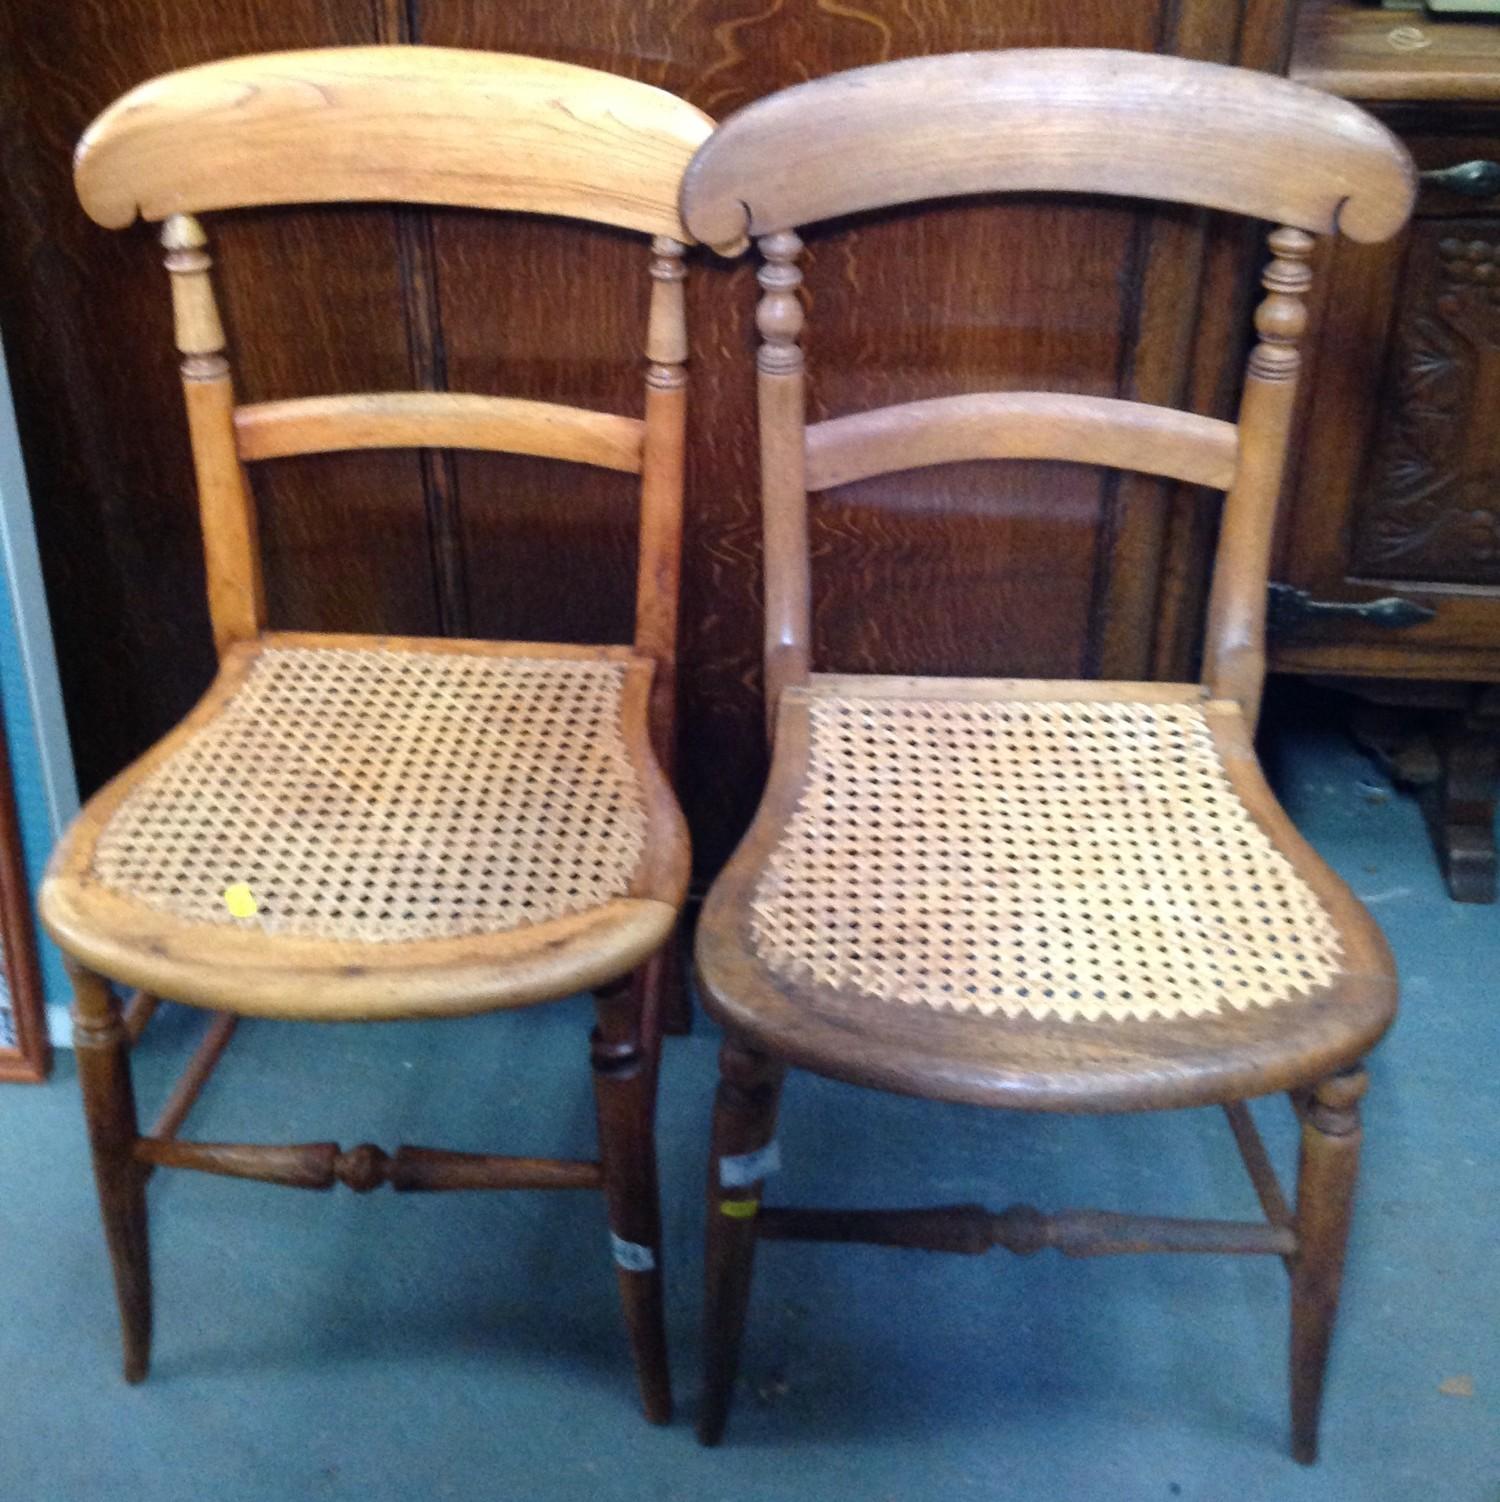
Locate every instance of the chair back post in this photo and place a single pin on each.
(659, 567)
(783, 468)
(231, 552)
(1234, 655)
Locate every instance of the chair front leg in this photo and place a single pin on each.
(1327, 1167)
(103, 1054)
(744, 1126)
(624, 1060)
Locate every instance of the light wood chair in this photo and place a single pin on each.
(366, 828)
(1041, 896)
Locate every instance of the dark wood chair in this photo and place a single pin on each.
(365, 828)
(1041, 896)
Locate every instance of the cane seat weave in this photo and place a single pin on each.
(386, 796)
(1038, 858)
(1032, 893)
(349, 801)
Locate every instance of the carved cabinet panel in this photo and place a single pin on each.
(1432, 509)
(1395, 494)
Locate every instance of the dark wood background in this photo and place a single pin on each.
(1019, 569)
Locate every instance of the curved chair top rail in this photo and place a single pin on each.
(436, 125)
(1080, 120)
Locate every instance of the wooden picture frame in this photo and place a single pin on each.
(24, 1052)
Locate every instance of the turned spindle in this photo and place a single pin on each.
(783, 478)
(1235, 654)
(231, 553)
(660, 563)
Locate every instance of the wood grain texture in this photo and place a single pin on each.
(1072, 120)
(1022, 425)
(1372, 54)
(433, 419)
(564, 324)
(391, 125)
(348, 542)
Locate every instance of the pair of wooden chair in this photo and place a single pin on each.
(1031, 895)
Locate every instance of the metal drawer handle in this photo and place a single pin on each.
(1290, 607)
(1475, 179)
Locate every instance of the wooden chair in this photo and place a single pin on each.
(1043, 896)
(363, 828)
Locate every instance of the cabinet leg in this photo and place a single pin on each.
(1327, 1168)
(103, 1053)
(1464, 817)
(624, 1060)
(744, 1122)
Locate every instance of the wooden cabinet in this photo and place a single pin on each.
(990, 569)
(1389, 566)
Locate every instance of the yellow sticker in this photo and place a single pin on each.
(240, 901)
(739, 1209)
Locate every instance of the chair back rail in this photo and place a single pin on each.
(437, 125)
(1059, 120)
(1065, 119)
(424, 125)
(1022, 425)
(438, 419)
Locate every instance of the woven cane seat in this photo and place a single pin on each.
(358, 806)
(961, 866)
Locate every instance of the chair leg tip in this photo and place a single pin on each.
(136, 1368)
(657, 1405)
(1305, 1450)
